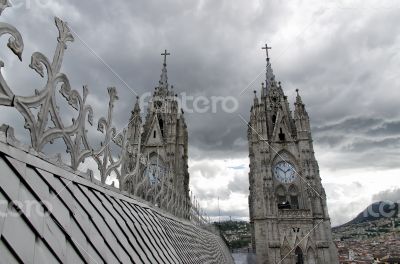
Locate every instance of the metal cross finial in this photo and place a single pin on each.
(266, 50)
(165, 54)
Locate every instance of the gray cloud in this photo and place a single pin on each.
(209, 194)
(387, 195)
(340, 194)
(236, 180)
(351, 125)
(215, 51)
(388, 128)
(360, 142)
(239, 184)
(234, 213)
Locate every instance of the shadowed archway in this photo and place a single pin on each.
(299, 256)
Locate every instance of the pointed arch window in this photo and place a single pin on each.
(161, 124)
(282, 136)
(282, 198)
(273, 119)
(299, 256)
(287, 198)
(310, 256)
(293, 197)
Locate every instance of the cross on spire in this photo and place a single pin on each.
(266, 50)
(165, 54)
(163, 78)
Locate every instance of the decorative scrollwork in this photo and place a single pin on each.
(3, 5)
(48, 125)
(103, 156)
(16, 44)
(45, 125)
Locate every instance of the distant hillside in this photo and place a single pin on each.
(235, 233)
(376, 211)
(376, 224)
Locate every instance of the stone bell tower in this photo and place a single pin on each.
(161, 141)
(287, 202)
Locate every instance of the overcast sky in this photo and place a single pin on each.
(342, 55)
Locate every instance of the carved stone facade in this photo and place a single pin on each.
(287, 202)
(158, 148)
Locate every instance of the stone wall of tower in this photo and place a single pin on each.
(163, 134)
(288, 219)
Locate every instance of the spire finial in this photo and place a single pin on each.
(266, 50)
(136, 109)
(163, 83)
(255, 98)
(298, 98)
(269, 75)
(165, 54)
(262, 90)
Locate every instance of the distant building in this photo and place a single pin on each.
(351, 255)
(390, 259)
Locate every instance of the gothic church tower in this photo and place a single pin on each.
(159, 147)
(287, 202)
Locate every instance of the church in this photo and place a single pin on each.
(287, 202)
(158, 147)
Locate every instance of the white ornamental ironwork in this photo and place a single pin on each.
(45, 125)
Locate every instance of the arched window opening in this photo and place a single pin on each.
(154, 134)
(294, 202)
(282, 198)
(310, 256)
(161, 124)
(273, 119)
(282, 136)
(294, 197)
(299, 256)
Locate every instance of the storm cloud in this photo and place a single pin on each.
(387, 195)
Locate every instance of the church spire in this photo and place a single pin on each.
(163, 85)
(298, 98)
(302, 121)
(255, 98)
(135, 114)
(263, 92)
(136, 109)
(300, 109)
(269, 74)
